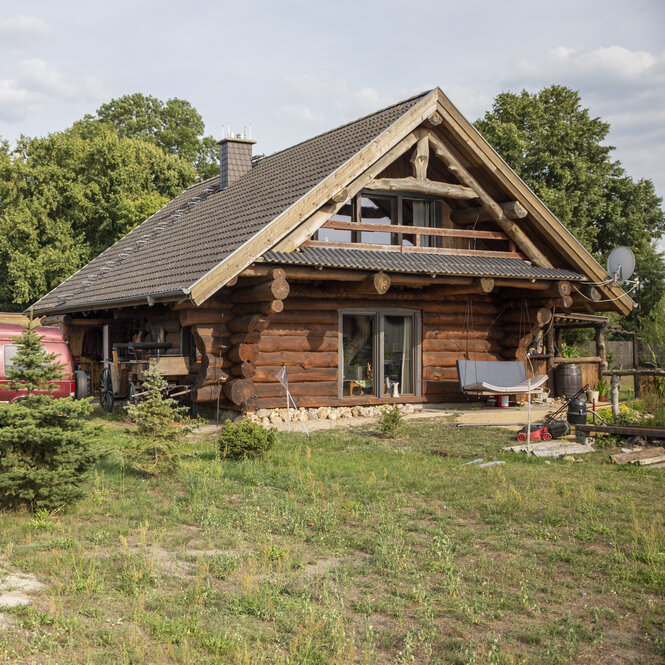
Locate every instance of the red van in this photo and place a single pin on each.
(53, 342)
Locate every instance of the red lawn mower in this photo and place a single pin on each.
(551, 428)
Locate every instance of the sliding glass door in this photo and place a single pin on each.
(379, 353)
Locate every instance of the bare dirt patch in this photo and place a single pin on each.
(15, 590)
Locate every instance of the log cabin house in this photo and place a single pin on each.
(368, 260)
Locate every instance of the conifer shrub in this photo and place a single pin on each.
(46, 444)
(245, 440)
(161, 423)
(390, 420)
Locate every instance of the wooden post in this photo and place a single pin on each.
(615, 396)
(601, 348)
(420, 156)
(636, 364)
(550, 353)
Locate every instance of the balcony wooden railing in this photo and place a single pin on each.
(417, 232)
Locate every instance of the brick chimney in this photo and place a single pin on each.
(235, 159)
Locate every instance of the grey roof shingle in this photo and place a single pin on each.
(192, 234)
(412, 262)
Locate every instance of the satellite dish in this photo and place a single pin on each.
(621, 264)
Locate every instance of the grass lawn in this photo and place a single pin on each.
(347, 548)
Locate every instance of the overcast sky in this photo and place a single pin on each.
(292, 69)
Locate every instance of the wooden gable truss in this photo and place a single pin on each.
(433, 128)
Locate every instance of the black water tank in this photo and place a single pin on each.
(577, 411)
(568, 379)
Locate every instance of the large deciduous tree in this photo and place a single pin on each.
(66, 197)
(557, 148)
(174, 125)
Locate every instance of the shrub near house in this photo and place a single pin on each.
(45, 443)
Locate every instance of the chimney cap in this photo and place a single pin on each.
(236, 139)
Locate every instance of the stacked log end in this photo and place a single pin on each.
(524, 324)
(254, 302)
(210, 334)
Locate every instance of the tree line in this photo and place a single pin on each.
(67, 196)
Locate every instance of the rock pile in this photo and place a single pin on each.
(275, 416)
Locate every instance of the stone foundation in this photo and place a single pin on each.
(275, 416)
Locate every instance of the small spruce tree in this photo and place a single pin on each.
(160, 422)
(45, 443)
(33, 368)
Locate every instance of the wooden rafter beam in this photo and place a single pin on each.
(512, 210)
(422, 186)
(479, 285)
(375, 284)
(420, 156)
(414, 230)
(488, 203)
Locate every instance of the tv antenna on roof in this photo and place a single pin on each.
(621, 264)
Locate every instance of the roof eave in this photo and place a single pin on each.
(132, 301)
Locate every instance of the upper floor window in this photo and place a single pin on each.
(354, 221)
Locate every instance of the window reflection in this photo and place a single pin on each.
(344, 214)
(419, 212)
(377, 210)
(386, 210)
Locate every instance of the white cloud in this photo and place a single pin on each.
(614, 63)
(20, 31)
(623, 87)
(35, 84)
(300, 113)
(15, 102)
(335, 96)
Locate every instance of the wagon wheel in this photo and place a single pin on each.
(131, 393)
(106, 390)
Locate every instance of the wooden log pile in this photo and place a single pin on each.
(521, 326)
(254, 302)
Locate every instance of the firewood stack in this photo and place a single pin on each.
(526, 324)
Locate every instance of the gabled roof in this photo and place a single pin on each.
(204, 237)
(196, 231)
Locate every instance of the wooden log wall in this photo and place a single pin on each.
(304, 337)
(250, 305)
(210, 334)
